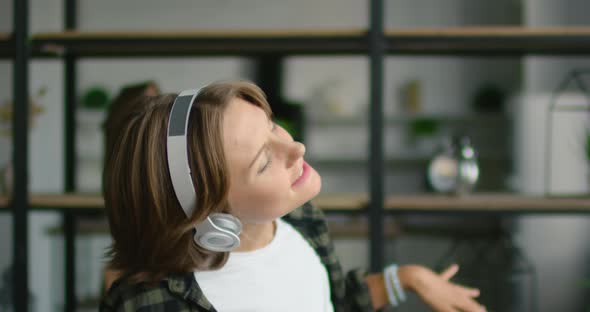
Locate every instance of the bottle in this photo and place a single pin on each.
(454, 169)
(443, 168)
(468, 168)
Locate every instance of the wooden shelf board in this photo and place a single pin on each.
(513, 41)
(341, 201)
(62, 201)
(494, 31)
(487, 202)
(243, 42)
(497, 41)
(196, 34)
(468, 31)
(95, 201)
(352, 202)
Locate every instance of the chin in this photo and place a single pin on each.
(314, 188)
(318, 188)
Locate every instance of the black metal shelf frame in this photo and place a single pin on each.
(376, 173)
(69, 217)
(20, 121)
(375, 44)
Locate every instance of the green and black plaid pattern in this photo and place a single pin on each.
(182, 292)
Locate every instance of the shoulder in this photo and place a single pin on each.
(157, 296)
(307, 213)
(311, 223)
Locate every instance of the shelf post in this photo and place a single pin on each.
(376, 166)
(70, 103)
(20, 142)
(269, 76)
(69, 218)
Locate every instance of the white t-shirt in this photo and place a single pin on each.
(286, 275)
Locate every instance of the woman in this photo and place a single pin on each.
(247, 172)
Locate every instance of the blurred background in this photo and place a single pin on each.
(501, 103)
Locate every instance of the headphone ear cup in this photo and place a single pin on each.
(219, 232)
(227, 222)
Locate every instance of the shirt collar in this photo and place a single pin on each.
(185, 286)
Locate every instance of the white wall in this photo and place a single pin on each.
(5, 218)
(6, 21)
(450, 13)
(544, 73)
(221, 14)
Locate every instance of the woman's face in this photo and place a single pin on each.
(268, 175)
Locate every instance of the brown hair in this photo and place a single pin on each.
(152, 237)
(121, 106)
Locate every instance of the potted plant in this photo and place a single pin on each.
(423, 132)
(93, 104)
(6, 114)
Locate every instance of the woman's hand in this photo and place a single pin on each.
(437, 290)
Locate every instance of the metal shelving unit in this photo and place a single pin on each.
(20, 199)
(375, 42)
(71, 46)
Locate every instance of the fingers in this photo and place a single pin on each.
(472, 292)
(465, 301)
(450, 272)
(467, 291)
(470, 305)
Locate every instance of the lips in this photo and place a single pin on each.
(303, 176)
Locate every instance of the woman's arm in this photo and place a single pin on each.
(377, 291)
(436, 290)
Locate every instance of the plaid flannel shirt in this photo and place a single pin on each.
(182, 292)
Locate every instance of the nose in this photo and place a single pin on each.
(296, 151)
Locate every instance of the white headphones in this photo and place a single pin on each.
(219, 231)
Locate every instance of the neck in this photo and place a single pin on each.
(256, 236)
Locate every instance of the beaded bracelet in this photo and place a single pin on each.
(389, 288)
(395, 292)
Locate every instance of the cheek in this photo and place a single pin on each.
(261, 203)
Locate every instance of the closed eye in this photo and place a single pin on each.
(268, 154)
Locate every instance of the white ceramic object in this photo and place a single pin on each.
(568, 165)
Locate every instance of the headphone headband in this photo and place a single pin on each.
(177, 149)
(218, 232)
